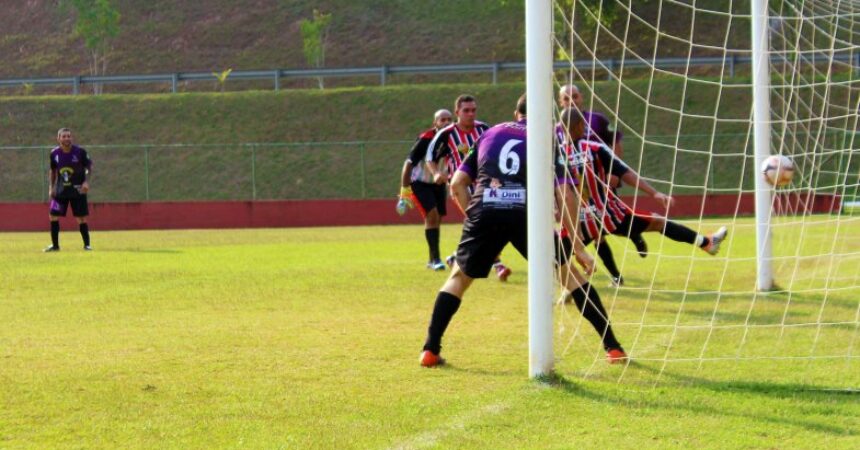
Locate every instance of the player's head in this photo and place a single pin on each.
(466, 108)
(573, 122)
(64, 137)
(442, 118)
(520, 112)
(569, 96)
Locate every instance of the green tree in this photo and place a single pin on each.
(97, 23)
(314, 34)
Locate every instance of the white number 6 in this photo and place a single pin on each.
(509, 162)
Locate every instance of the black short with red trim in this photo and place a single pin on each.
(429, 196)
(632, 224)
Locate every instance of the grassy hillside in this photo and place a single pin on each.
(207, 35)
(189, 142)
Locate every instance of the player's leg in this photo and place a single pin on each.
(681, 233)
(80, 209)
(608, 259)
(431, 209)
(58, 209)
(480, 243)
(588, 301)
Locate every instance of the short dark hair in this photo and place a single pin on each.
(521, 105)
(571, 117)
(465, 98)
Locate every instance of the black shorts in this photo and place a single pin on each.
(59, 206)
(429, 196)
(632, 225)
(485, 234)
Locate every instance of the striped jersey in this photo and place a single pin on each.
(417, 156)
(590, 164)
(451, 144)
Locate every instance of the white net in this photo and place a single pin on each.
(674, 78)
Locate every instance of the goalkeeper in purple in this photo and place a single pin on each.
(495, 216)
(71, 171)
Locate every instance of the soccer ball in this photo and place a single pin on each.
(777, 170)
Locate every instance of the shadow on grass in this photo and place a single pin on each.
(771, 390)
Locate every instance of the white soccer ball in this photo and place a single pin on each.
(777, 170)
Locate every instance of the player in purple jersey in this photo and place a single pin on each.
(71, 171)
(598, 128)
(417, 188)
(495, 216)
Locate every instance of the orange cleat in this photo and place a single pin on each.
(430, 359)
(616, 356)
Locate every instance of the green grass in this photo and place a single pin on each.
(308, 338)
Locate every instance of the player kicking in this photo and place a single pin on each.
(417, 188)
(598, 128)
(450, 145)
(495, 216)
(592, 163)
(70, 173)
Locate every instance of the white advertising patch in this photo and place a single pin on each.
(514, 196)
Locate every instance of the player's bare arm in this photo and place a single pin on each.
(52, 181)
(633, 179)
(568, 197)
(460, 189)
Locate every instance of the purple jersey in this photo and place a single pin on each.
(600, 129)
(500, 154)
(71, 170)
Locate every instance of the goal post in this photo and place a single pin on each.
(539, 143)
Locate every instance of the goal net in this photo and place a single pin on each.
(675, 79)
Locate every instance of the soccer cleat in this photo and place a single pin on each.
(641, 245)
(87, 248)
(51, 248)
(716, 239)
(617, 282)
(451, 260)
(616, 356)
(503, 272)
(430, 359)
(436, 265)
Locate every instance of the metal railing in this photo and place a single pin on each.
(728, 62)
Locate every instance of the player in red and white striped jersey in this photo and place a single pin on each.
(450, 146)
(592, 163)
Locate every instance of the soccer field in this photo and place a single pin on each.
(309, 338)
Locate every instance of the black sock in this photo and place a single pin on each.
(594, 312)
(85, 233)
(680, 233)
(55, 233)
(444, 309)
(608, 259)
(432, 236)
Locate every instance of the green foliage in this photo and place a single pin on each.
(97, 22)
(314, 34)
(221, 77)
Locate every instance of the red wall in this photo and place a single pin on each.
(311, 213)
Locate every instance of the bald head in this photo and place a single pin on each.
(442, 118)
(569, 96)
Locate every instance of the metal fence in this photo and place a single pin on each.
(721, 163)
(725, 63)
(130, 173)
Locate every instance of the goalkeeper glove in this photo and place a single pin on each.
(405, 203)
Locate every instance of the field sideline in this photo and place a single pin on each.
(309, 338)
